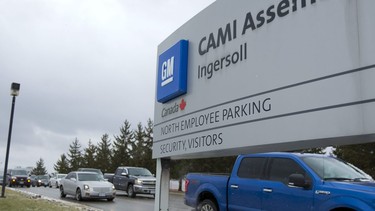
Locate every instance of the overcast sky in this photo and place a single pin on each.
(84, 67)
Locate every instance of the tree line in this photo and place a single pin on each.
(134, 148)
(129, 148)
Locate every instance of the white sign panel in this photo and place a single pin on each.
(269, 76)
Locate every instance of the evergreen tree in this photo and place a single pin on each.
(138, 147)
(142, 147)
(40, 169)
(104, 154)
(149, 139)
(62, 165)
(121, 146)
(89, 160)
(75, 155)
(360, 155)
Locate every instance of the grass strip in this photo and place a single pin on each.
(18, 201)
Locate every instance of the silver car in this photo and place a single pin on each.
(85, 185)
(55, 180)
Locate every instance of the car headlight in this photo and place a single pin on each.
(86, 187)
(138, 182)
(113, 187)
(39, 180)
(13, 177)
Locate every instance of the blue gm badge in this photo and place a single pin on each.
(172, 72)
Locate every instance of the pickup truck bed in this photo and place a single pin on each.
(212, 183)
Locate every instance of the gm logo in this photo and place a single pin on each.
(172, 72)
(167, 71)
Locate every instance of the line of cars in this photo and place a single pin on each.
(91, 183)
(21, 178)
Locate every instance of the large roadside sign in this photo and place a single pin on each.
(251, 76)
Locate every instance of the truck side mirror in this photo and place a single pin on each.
(298, 180)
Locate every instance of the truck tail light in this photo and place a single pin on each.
(186, 185)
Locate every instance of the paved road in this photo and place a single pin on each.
(122, 202)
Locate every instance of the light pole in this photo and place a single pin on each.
(14, 91)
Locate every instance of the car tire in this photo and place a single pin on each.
(79, 195)
(207, 205)
(62, 194)
(110, 199)
(57, 185)
(130, 191)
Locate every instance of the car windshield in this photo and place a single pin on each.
(19, 172)
(329, 168)
(89, 177)
(139, 172)
(61, 176)
(43, 177)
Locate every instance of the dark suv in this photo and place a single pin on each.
(19, 177)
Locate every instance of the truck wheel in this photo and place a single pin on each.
(207, 205)
(62, 194)
(131, 191)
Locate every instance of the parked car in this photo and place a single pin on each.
(283, 181)
(134, 180)
(42, 180)
(55, 180)
(19, 177)
(33, 180)
(86, 185)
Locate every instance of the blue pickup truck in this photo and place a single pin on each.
(285, 182)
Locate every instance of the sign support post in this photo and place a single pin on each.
(162, 184)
